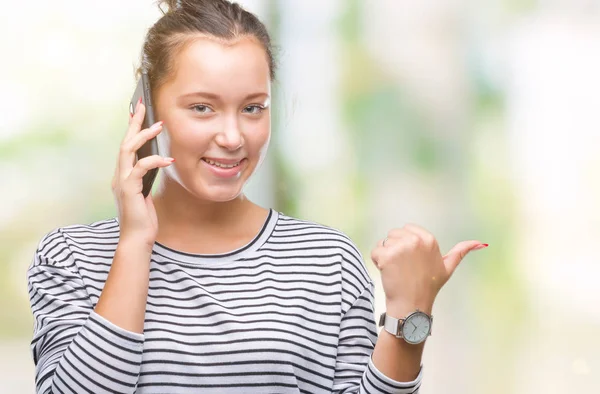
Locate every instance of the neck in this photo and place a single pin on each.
(177, 209)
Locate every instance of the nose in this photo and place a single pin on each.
(230, 137)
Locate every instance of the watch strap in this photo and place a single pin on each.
(391, 324)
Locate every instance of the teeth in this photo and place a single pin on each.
(216, 164)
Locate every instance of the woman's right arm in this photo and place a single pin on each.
(78, 348)
(75, 350)
(123, 300)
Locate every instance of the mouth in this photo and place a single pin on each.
(222, 163)
(225, 168)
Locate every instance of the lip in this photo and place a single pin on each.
(225, 172)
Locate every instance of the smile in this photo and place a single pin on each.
(221, 165)
(225, 168)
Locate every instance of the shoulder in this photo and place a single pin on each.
(294, 229)
(102, 229)
(56, 247)
(298, 233)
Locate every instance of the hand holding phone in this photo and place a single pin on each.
(131, 184)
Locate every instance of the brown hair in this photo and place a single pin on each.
(185, 19)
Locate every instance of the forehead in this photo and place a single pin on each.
(228, 68)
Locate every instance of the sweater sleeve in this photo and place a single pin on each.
(355, 371)
(74, 349)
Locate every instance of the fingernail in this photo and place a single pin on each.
(169, 159)
(140, 101)
(156, 125)
(480, 246)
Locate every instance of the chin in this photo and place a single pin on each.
(220, 193)
(222, 197)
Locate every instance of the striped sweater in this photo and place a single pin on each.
(290, 312)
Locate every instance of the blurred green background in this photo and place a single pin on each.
(475, 120)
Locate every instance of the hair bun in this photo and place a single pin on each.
(168, 5)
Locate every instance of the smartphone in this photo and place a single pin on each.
(151, 146)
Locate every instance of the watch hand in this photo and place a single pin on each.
(416, 327)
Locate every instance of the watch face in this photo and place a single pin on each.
(416, 328)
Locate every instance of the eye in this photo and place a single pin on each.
(201, 109)
(254, 109)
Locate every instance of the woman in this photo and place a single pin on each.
(223, 296)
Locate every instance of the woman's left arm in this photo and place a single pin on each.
(413, 271)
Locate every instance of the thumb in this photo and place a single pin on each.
(457, 253)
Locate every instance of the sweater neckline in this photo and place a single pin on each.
(164, 253)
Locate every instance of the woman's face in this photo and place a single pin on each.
(216, 112)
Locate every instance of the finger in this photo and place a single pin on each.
(374, 260)
(144, 136)
(135, 125)
(133, 110)
(148, 163)
(453, 258)
(422, 233)
(389, 241)
(379, 255)
(375, 255)
(126, 159)
(397, 232)
(129, 120)
(130, 146)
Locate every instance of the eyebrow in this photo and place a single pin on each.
(214, 96)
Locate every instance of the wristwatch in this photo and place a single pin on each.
(414, 328)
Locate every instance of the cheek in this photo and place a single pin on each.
(259, 138)
(189, 136)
